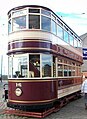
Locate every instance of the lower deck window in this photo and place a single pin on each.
(30, 66)
(41, 65)
(19, 66)
(60, 70)
(46, 65)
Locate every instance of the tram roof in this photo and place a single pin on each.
(24, 6)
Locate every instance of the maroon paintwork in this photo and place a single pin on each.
(29, 44)
(39, 91)
(33, 45)
(33, 91)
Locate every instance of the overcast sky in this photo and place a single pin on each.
(73, 12)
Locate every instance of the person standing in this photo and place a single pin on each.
(84, 91)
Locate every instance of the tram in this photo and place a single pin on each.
(44, 59)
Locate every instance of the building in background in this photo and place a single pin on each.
(84, 45)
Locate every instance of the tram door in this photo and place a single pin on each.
(34, 65)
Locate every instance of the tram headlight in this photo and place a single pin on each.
(18, 91)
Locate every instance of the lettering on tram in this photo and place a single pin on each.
(18, 85)
(44, 59)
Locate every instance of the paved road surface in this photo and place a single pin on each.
(73, 110)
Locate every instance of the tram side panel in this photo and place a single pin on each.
(28, 92)
(68, 88)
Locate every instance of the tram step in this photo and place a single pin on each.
(29, 114)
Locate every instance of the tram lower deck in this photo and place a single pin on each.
(40, 94)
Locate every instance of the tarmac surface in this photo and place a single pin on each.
(73, 110)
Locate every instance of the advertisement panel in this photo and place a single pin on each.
(84, 53)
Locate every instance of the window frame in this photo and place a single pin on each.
(17, 55)
(19, 28)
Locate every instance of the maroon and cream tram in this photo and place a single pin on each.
(44, 59)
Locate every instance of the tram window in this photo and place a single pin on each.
(45, 23)
(66, 39)
(34, 10)
(19, 23)
(70, 70)
(53, 27)
(19, 12)
(59, 32)
(60, 70)
(45, 12)
(9, 26)
(34, 21)
(20, 68)
(71, 40)
(46, 65)
(65, 70)
(75, 43)
(34, 65)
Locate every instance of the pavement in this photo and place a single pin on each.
(73, 110)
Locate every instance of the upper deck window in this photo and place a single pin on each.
(75, 43)
(45, 12)
(45, 23)
(34, 10)
(19, 23)
(54, 27)
(9, 26)
(19, 13)
(71, 40)
(66, 39)
(34, 21)
(59, 32)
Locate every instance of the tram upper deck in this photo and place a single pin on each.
(40, 24)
